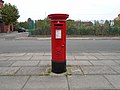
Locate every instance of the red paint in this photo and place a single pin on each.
(58, 25)
(5, 27)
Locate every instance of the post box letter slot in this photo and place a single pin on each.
(58, 24)
(58, 34)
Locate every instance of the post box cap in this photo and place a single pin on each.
(58, 16)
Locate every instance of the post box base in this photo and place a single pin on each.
(58, 67)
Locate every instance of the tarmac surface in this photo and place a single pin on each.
(85, 71)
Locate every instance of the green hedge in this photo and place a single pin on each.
(74, 31)
(115, 31)
(87, 32)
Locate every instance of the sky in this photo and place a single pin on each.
(85, 10)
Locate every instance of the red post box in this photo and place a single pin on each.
(58, 39)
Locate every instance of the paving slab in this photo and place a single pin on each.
(41, 58)
(107, 57)
(78, 63)
(88, 82)
(12, 54)
(77, 54)
(116, 68)
(32, 71)
(74, 70)
(81, 57)
(36, 58)
(8, 70)
(86, 54)
(4, 58)
(110, 54)
(46, 53)
(69, 54)
(46, 83)
(29, 54)
(92, 57)
(114, 80)
(85, 57)
(34, 54)
(6, 63)
(25, 63)
(104, 62)
(118, 57)
(70, 57)
(117, 61)
(97, 70)
(39, 54)
(94, 54)
(45, 63)
(12, 82)
(68, 63)
(20, 58)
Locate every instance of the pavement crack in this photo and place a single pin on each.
(81, 70)
(109, 81)
(18, 70)
(25, 83)
(30, 57)
(67, 82)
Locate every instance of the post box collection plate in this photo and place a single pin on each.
(58, 34)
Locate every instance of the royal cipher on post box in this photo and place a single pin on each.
(58, 40)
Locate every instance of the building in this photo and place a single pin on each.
(3, 26)
(84, 23)
(87, 23)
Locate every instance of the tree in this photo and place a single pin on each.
(9, 14)
(42, 27)
(97, 28)
(117, 23)
(71, 27)
(21, 25)
(30, 24)
(106, 27)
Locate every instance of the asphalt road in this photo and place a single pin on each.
(15, 46)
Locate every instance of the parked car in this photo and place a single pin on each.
(21, 30)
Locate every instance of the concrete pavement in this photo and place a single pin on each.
(69, 38)
(85, 71)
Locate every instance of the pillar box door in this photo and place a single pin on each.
(58, 39)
